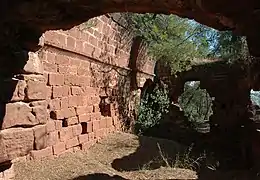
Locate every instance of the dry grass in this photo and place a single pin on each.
(120, 156)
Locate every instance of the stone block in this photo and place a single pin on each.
(64, 102)
(83, 138)
(40, 113)
(59, 148)
(36, 87)
(72, 143)
(50, 126)
(19, 92)
(75, 90)
(60, 91)
(40, 137)
(56, 79)
(58, 124)
(34, 64)
(18, 114)
(17, 141)
(77, 129)
(52, 138)
(66, 133)
(55, 104)
(47, 152)
(71, 121)
(84, 118)
(96, 125)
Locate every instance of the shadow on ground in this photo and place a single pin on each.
(99, 176)
(149, 155)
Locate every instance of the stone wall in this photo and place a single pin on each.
(72, 92)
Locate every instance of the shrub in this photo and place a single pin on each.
(153, 107)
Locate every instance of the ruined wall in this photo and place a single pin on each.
(70, 92)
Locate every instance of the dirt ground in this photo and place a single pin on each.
(119, 156)
(122, 156)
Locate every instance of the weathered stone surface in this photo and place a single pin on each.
(34, 64)
(40, 113)
(40, 137)
(17, 141)
(36, 90)
(18, 114)
(19, 92)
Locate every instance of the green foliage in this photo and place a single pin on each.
(170, 38)
(255, 97)
(152, 109)
(196, 103)
(229, 46)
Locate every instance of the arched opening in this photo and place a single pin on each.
(197, 106)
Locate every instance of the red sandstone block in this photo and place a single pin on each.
(58, 124)
(36, 89)
(75, 90)
(84, 81)
(80, 110)
(55, 79)
(79, 46)
(84, 118)
(65, 133)
(70, 112)
(48, 92)
(64, 113)
(98, 35)
(91, 136)
(59, 148)
(77, 129)
(109, 122)
(73, 101)
(72, 80)
(48, 67)
(52, 138)
(103, 123)
(83, 138)
(95, 116)
(57, 114)
(85, 36)
(96, 125)
(88, 49)
(73, 70)
(64, 102)
(72, 143)
(89, 109)
(62, 60)
(83, 71)
(93, 41)
(75, 62)
(50, 126)
(40, 137)
(71, 121)
(50, 57)
(47, 152)
(71, 43)
(63, 70)
(97, 52)
(60, 91)
(54, 104)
